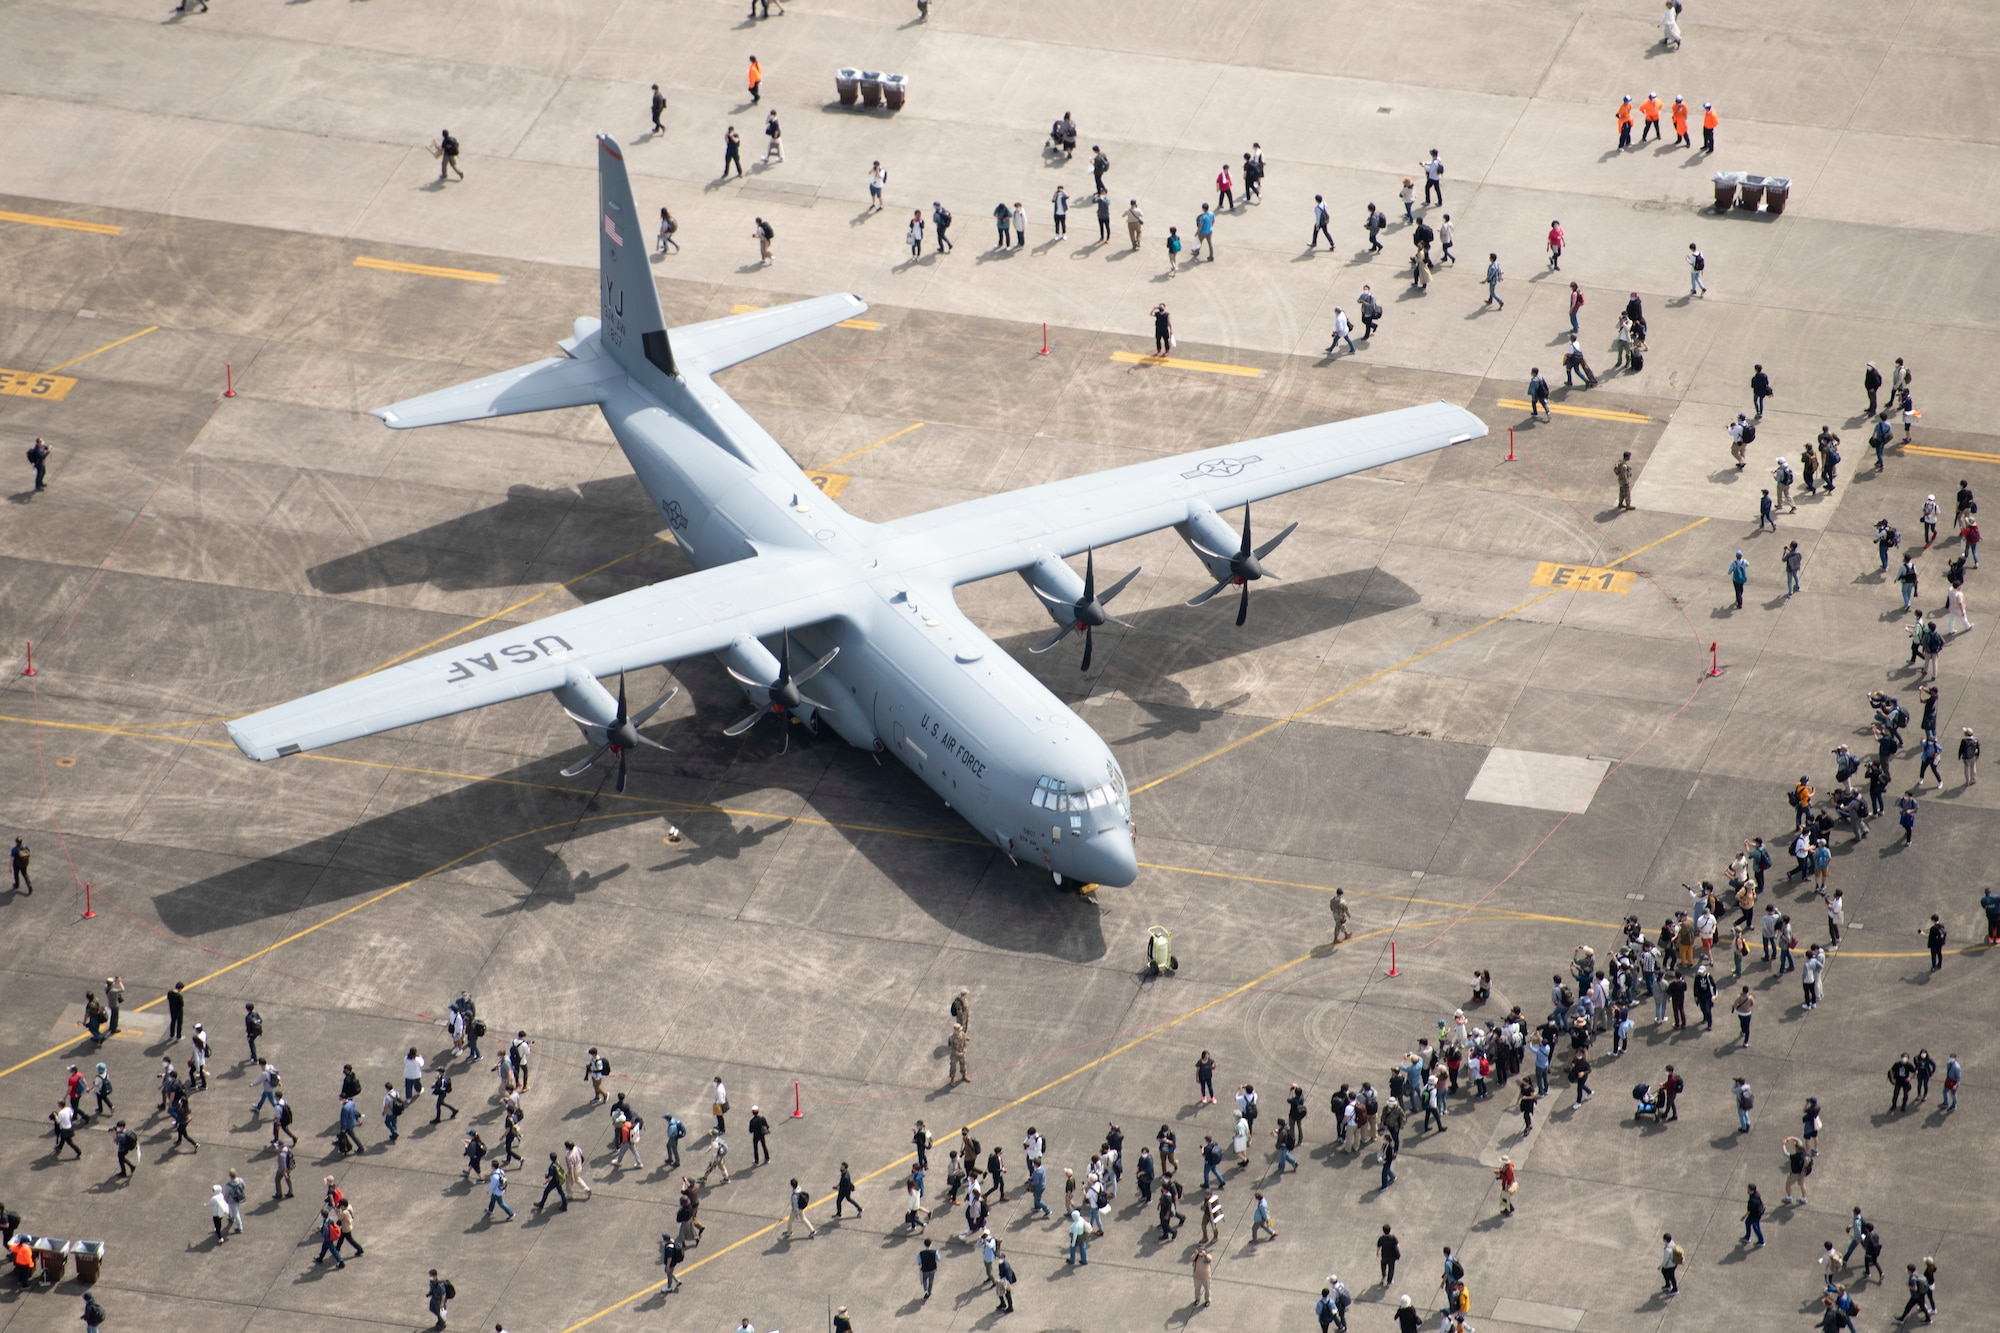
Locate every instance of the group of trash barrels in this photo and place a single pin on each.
(871, 88)
(1740, 189)
(51, 1256)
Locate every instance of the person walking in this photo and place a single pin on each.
(20, 857)
(732, 151)
(659, 105)
(1163, 342)
(552, 1183)
(1493, 277)
(1697, 265)
(1745, 1100)
(1135, 221)
(496, 1192)
(1322, 224)
(1575, 294)
(437, 1299)
(1739, 575)
(1374, 224)
(1508, 1182)
(1538, 406)
(1760, 389)
(1744, 1007)
(1173, 251)
(940, 224)
(666, 244)
(774, 151)
(1099, 164)
(1781, 474)
(1433, 179)
(1408, 194)
(755, 78)
(1794, 561)
(1342, 332)
(795, 1215)
(1753, 1217)
(1871, 384)
(1371, 312)
(1225, 190)
(441, 1093)
(1671, 1259)
(447, 150)
(1204, 232)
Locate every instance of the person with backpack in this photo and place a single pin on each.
(1538, 406)
(796, 1216)
(329, 1239)
(672, 1252)
(1968, 755)
(93, 1313)
(1697, 265)
(1371, 312)
(764, 233)
(1672, 1257)
(552, 1183)
(438, 1298)
(676, 1131)
(447, 152)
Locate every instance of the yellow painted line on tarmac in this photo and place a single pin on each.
(1957, 455)
(107, 347)
(867, 325)
(65, 224)
(342, 915)
(848, 458)
(1018, 1102)
(1594, 413)
(1391, 670)
(830, 484)
(1181, 363)
(427, 270)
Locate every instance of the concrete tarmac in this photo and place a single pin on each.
(1437, 710)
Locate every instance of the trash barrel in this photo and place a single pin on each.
(1777, 189)
(1725, 189)
(847, 82)
(89, 1259)
(1750, 194)
(871, 87)
(895, 87)
(53, 1255)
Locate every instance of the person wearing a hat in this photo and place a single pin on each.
(1708, 127)
(1968, 754)
(1680, 114)
(1505, 1175)
(1407, 1318)
(1624, 114)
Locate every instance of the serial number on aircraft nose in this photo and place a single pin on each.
(518, 654)
(937, 731)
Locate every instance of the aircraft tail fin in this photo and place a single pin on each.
(634, 331)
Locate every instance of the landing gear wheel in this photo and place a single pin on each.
(1076, 886)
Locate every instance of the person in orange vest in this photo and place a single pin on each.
(1708, 127)
(1681, 139)
(24, 1260)
(1625, 123)
(756, 81)
(1650, 108)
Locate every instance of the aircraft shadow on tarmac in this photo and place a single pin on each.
(707, 770)
(491, 547)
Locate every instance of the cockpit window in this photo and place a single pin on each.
(1054, 794)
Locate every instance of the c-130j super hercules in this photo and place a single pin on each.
(817, 614)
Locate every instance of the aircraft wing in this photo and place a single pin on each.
(666, 622)
(717, 344)
(998, 533)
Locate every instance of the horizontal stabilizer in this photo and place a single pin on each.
(540, 386)
(718, 344)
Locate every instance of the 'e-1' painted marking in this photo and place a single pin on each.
(520, 654)
(1583, 578)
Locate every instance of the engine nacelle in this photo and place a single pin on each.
(1209, 536)
(588, 703)
(1059, 587)
(751, 660)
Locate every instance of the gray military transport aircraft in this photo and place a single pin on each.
(885, 657)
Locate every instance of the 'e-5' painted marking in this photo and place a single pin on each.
(520, 654)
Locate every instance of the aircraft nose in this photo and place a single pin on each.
(1105, 858)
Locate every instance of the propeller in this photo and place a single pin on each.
(1245, 567)
(784, 691)
(1086, 614)
(622, 734)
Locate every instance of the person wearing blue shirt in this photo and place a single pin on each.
(1739, 568)
(1204, 232)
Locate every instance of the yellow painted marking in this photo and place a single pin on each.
(1179, 363)
(1958, 455)
(342, 915)
(1583, 578)
(107, 347)
(866, 325)
(427, 270)
(67, 761)
(1411, 660)
(844, 458)
(831, 484)
(66, 224)
(27, 384)
(1594, 413)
